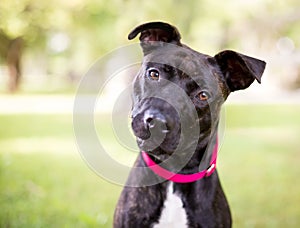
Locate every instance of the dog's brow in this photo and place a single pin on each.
(191, 86)
(154, 64)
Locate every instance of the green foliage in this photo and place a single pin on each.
(104, 24)
(94, 28)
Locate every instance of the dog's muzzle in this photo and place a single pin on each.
(155, 127)
(150, 126)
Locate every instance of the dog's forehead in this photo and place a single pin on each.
(192, 64)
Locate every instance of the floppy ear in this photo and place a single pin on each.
(155, 31)
(239, 70)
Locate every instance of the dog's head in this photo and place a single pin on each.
(178, 92)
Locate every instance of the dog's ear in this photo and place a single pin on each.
(239, 70)
(155, 33)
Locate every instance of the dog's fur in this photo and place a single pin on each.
(161, 113)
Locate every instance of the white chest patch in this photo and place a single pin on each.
(173, 214)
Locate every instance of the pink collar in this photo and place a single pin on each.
(182, 178)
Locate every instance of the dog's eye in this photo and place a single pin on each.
(153, 74)
(203, 96)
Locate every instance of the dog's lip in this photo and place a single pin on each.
(153, 155)
(159, 158)
(141, 140)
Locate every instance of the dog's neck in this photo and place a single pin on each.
(179, 177)
(200, 160)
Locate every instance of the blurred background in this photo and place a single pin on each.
(46, 47)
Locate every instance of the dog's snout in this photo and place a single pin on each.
(150, 124)
(155, 121)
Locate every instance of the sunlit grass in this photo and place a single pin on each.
(44, 182)
(259, 165)
(52, 190)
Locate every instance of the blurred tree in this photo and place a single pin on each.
(11, 50)
(20, 22)
(79, 31)
(33, 24)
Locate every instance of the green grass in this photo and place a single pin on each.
(45, 183)
(259, 165)
(43, 180)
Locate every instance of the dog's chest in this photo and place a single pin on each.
(173, 213)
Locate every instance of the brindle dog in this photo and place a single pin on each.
(177, 97)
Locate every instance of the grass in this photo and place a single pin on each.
(259, 165)
(44, 182)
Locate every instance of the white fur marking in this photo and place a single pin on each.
(173, 214)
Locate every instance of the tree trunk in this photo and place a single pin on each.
(13, 58)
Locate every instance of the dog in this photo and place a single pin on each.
(177, 97)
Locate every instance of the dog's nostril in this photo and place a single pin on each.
(150, 122)
(156, 124)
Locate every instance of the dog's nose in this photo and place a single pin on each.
(155, 122)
